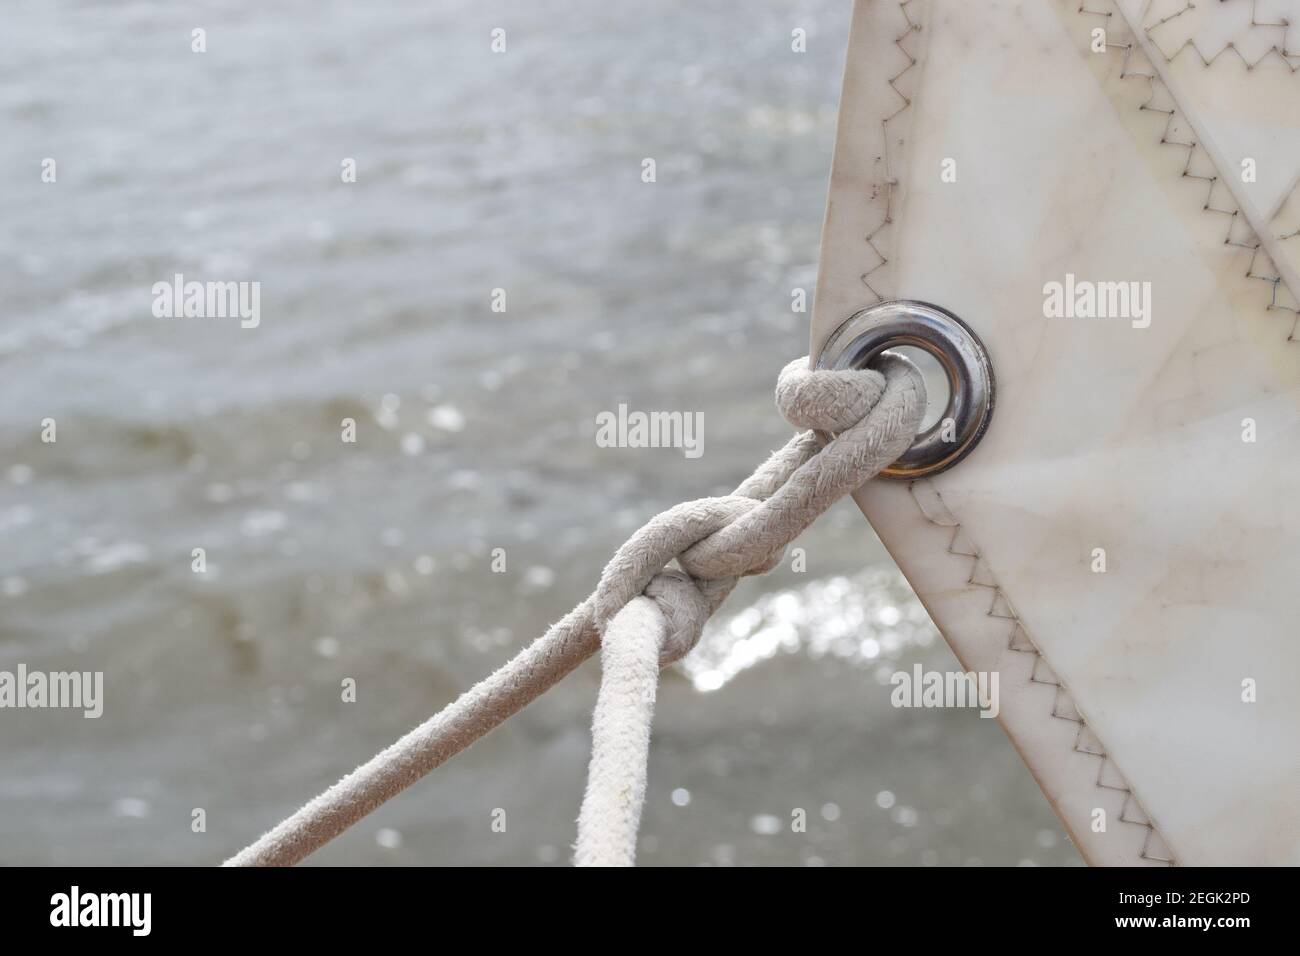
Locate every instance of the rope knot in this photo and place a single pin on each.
(873, 415)
(826, 400)
(873, 418)
(686, 609)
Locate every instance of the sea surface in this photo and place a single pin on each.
(373, 560)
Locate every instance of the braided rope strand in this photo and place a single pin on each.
(620, 736)
(874, 417)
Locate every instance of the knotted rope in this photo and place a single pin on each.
(646, 613)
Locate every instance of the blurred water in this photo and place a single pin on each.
(371, 560)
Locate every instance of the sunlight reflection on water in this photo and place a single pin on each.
(869, 618)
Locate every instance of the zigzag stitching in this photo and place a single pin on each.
(890, 180)
(1283, 56)
(1276, 283)
(999, 598)
(1281, 52)
(998, 595)
(1211, 181)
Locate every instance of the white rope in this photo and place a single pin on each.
(874, 418)
(620, 736)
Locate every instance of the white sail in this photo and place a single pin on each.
(1121, 546)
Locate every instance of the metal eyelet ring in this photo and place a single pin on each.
(963, 357)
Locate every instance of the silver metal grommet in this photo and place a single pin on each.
(963, 357)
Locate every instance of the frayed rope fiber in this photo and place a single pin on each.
(644, 616)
